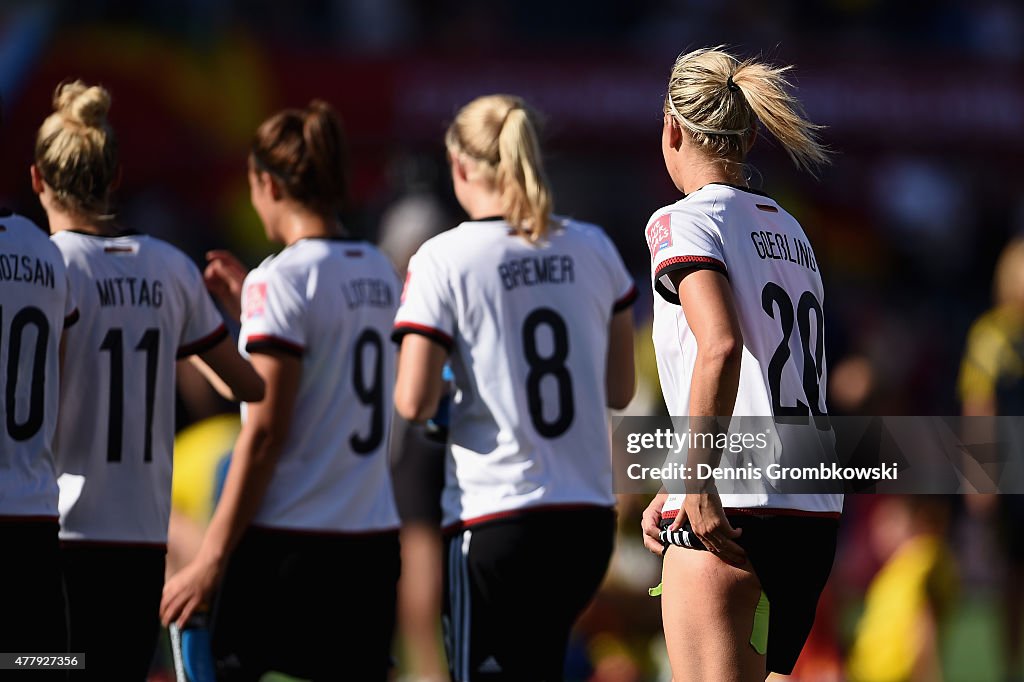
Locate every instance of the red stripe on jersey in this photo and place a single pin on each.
(765, 511)
(627, 300)
(516, 513)
(688, 260)
(767, 207)
(403, 328)
(257, 340)
(71, 318)
(204, 344)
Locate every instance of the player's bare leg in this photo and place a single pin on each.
(708, 614)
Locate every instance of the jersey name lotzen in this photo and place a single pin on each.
(137, 291)
(776, 246)
(29, 269)
(367, 291)
(531, 271)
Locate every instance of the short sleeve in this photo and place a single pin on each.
(273, 315)
(622, 282)
(204, 327)
(682, 239)
(427, 304)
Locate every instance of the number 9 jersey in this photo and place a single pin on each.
(330, 303)
(36, 304)
(777, 289)
(527, 328)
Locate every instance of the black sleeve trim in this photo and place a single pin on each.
(435, 335)
(263, 343)
(71, 319)
(626, 301)
(204, 344)
(691, 263)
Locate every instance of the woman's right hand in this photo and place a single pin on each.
(224, 276)
(651, 524)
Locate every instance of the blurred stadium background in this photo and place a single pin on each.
(923, 103)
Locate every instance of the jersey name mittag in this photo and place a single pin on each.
(329, 303)
(36, 304)
(144, 306)
(527, 328)
(776, 284)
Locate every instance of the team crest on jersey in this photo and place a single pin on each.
(659, 235)
(255, 300)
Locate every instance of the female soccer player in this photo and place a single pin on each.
(143, 306)
(36, 305)
(533, 314)
(738, 330)
(305, 534)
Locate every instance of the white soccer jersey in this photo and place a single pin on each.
(329, 302)
(776, 285)
(36, 304)
(527, 329)
(143, 306)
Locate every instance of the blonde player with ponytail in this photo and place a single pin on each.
(143, 306)
(532, 313)
(738, 331)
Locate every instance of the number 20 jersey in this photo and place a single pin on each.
(777, 289)
(143, 306)
(527, 329)
(330, 303)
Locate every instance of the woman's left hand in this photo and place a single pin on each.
(188, 591)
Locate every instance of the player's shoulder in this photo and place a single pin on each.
(26, 232)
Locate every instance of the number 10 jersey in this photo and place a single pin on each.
(777, 289)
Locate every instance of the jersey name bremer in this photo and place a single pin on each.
(777, 288)
(527, 329)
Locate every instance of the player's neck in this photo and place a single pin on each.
(66, 221)
(308, 225)
(484, 205)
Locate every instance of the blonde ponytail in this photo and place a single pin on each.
(721, 100)
(76, 151)
(497, 132)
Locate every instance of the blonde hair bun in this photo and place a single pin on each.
(83, 104)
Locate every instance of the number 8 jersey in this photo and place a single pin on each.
(143, 305)
(527, 329)
(778, 293)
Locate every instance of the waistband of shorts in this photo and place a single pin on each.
(767, 512)
(512, 514)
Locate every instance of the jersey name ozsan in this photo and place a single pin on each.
(143, 306)
(527, 328)
(36, 304)
(778, 293)
(329, 302)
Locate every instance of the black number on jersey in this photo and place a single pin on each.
(37, 387)
(113, 343)
(553, 365)
(371, 395)
(773, 296)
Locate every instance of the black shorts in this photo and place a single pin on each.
(792, 557)
(514, 588)
(312, 605)
(31, 594)
(113, 594)
(417, 473)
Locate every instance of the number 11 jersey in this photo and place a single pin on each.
(778, 293)
(143, 306)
